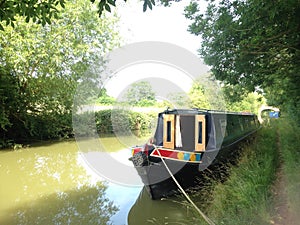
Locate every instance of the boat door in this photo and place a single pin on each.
(200, 137)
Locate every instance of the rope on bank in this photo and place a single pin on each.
(209, 221)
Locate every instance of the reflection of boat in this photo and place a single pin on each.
(171, 211)
(186, 142)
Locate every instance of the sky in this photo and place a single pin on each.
(164, 24)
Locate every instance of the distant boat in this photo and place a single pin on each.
(186, 142)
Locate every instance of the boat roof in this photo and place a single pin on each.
(196, 111)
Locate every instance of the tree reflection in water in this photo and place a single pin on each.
(85, 205)
(47, 185)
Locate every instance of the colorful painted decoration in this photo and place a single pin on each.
(177, 155)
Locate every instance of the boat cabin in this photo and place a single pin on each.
(195, 130)
(182, 130)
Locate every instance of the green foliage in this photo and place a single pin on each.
(44, 12)
(48, 126)
(39, 11)
(165, 104)
(252, 44)
(167, 2)
(141, 94)
(41, 68)
(104, 98)
(198, 97)
(178, 100)
(110, 121)
(105, 5)
(148, 4)
(285, 94)
(146, 103)
(239, 100)
(8, 95)
(206, 93)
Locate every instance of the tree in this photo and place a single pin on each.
(44, 65)
(179, 100)
(43, 12)
(39, 11)
(206, 93)
(8, 97)
(104, 98)
(239, 100)
(198, 97)
(252, 43)
(140, 94)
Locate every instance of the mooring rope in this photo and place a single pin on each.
(209, 221)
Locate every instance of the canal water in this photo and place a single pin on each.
(51, 184)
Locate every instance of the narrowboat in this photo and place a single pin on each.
(185, 143)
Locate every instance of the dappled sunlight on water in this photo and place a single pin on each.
(46, 185)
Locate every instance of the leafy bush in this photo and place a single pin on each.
(110, 121)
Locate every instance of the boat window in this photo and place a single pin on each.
(169, 131)
(200, 132)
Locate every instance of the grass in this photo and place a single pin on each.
(245, 196)
(289, 138)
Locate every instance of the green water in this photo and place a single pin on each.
(47, 184)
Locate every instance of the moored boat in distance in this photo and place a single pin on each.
(186, 142)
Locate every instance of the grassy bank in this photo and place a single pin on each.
(246, 197)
